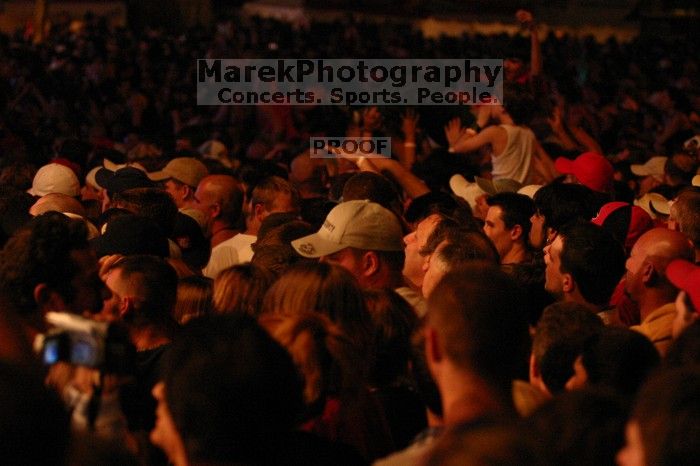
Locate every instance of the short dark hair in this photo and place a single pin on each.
(377, 188)
(158, 280)
(267, 189)
(594, 258)
(562, 203)
(231, 389)
(581, 427)
(394, 323)
(466, 247)
(519, 103)
(559, 338)
(477, 311)
(516, 210)
(667, 411)
(40, 252)
(620, 359)
(394, 259)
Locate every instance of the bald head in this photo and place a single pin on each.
(665, 245)
(223, 194)
(57, 202)
(646, 266)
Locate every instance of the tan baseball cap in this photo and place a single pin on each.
(358, 224)
(186, 170)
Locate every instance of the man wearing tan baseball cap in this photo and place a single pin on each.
(181, 176)
(363, 237)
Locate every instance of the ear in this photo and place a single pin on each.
(516, 232)
(649, 274)
(433, 353)
(215, 210)
(259, 211)
(126, 307)
(534, 370)
(47, 299)
(567, 283)
(370, 263)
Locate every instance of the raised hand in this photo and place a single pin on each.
(409, 123)
(371, 119)
(525, 18)
(454, 131)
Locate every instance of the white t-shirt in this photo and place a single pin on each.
(235, 250)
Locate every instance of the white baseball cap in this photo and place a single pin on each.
(470, 192)
(652, 167)
(55, 178)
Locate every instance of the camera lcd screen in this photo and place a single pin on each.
(51, 352)
(82, 353)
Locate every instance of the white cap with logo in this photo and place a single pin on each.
(358, 224)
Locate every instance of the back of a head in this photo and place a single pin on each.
(40, 252)
(477, 312)
(579, 428)
(282, 234)
(667, 410)
(231, 389)
(329, 362)
(372, 186)
(519, 103)
(619, 359)
(152, 203)
(155, 283)
(594, 258)
(559, 338)
(194, 298)
(241, 288)
(325, 288)
(277, 258)
(271, 190)
(464, 247)
(395, 321)
(434, 202)
(562, 203)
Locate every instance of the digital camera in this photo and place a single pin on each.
(84, 342)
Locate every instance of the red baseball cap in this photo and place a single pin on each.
(686, 276)
(627, 222)
(590, 168)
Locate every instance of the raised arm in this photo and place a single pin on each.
(527, 20)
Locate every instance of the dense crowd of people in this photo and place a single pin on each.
(179, 284)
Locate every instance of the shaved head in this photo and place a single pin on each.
(655, 248)
(661, 246)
